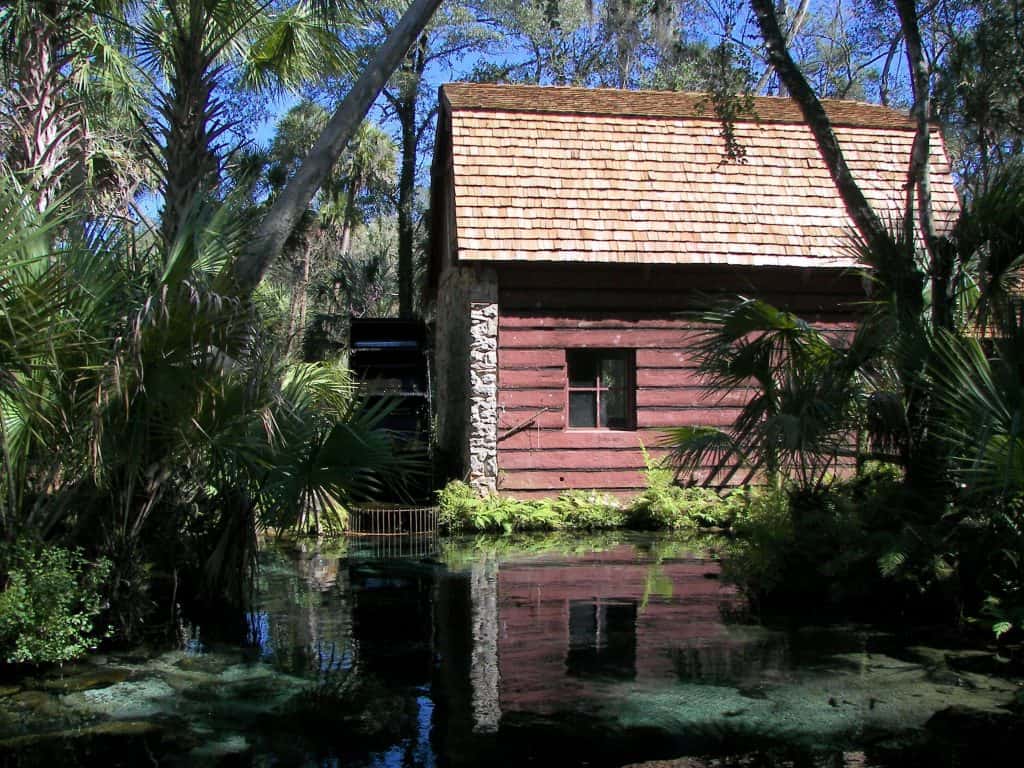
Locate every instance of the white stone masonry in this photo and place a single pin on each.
(483, 382)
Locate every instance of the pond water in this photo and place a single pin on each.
(602, 651)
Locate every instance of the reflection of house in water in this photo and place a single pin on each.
(550, 632)
(471, 655)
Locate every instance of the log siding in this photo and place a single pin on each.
(538, 454)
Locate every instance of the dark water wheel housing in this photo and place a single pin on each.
(389, 357)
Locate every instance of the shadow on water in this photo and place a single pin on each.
(602, 651)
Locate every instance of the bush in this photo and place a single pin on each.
(49, 606)
(861, 545)
(763, 544)
(456, 503)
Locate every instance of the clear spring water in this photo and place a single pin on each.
(605, 651)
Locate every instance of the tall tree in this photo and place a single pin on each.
(980, 91)
(194, 51)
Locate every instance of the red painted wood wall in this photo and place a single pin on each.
(546, 310)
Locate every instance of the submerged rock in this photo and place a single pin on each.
(120, 728)
(37, 703)
(208, 663)
(843, 760)
(87, 678)
(216, 748)
(126, 701)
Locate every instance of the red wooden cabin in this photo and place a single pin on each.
(571, 227)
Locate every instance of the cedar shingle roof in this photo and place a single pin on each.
(610, 101)
(575, 174)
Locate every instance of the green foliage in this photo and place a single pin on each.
(662, 505)
(461, 509)
(589, 510)
(665, 505)
(49, 607)
(1005, 617)
(142, 400)
(862, 544)
(763, 542)
(798, 414)
(456, 502)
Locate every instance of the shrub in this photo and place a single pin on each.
(462, 509)
(456, 504)
(860, 544)
(49, 606)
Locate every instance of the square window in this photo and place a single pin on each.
(601, 393)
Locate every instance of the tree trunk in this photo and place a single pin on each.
(45, 122)
(277, 225)
(794, 29)
(296, 306)
(918, 178)
(864, 216)
(348, 221)
(406, 195)
(190, 167)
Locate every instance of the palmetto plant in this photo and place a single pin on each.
(799, 412)
(978, 374)
(55, 311)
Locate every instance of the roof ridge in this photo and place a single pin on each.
(569, 100)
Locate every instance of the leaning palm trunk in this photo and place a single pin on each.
(870, 226)
(279, 222)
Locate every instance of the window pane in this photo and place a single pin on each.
(582, 409)
(613, 409)
(582, 368)
(613, 372)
